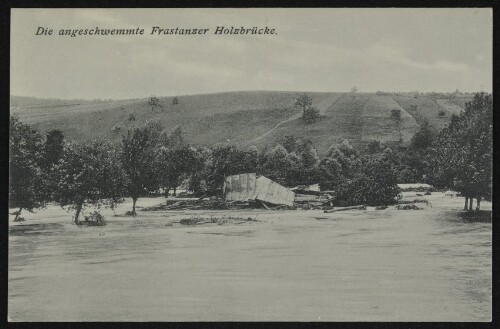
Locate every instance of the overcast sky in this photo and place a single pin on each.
(314, 50)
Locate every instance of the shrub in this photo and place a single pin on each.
(441, 113)
(310, 115)
(396, 114)
(94, 219)
(407, 207)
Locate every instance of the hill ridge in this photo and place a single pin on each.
(260, 118)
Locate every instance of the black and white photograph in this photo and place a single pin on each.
(250, 164)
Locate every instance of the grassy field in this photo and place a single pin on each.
(261, 118)
(297, 265)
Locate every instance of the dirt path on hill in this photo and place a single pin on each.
(293, 117)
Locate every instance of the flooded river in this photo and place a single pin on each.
(388, 265)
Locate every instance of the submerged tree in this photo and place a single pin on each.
(88, 173)
(139, 160)
(26, 181)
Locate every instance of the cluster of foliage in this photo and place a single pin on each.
(93, 172)
(461, 156)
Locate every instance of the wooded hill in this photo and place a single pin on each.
(260, 118)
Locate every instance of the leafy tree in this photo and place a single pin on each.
(396, 115)
(88, 173)
(462, 154)
(304, 101)
(196, 181)
(289, 143)
(370, 180)
(54, 146)
(139, 160)
(276, 165)
(309, 113)
(309, 157)
(330, 173)
(174, 139)
(26, 180)
(226, 160)
(423, 138)
(175, 162)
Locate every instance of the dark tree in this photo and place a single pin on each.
(423, 138)
(173, 163)
(289, 143)
(26, 181)
(463, 153)
(396, 115)
(54, 146)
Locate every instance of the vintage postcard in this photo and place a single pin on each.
(246, 164)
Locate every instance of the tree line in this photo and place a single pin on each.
(148, 160)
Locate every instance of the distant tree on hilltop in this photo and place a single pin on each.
(154, 102)
(309, 113)
(303, 101)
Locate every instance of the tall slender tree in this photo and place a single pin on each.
(139, 160)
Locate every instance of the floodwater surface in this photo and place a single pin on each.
(371, 265)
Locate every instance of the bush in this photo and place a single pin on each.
(407, 207)
(441, 113)
(94, 219)
(396, 114)
(310, 115)
(373, 147)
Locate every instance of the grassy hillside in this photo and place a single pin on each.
(259, 118)
(425, 109)
(378, 123)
